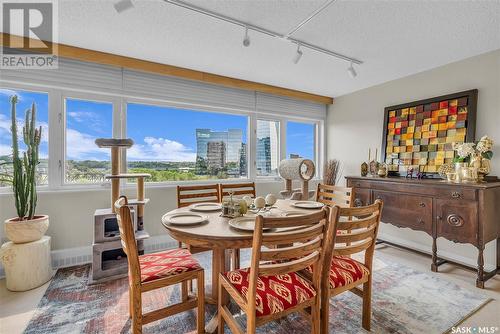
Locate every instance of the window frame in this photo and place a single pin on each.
(50, 92)
(62, 118)
(57, 133)
(190, 107)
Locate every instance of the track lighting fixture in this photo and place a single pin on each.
(352, 72)
(298, 55)
(123, 5)
(246, 40)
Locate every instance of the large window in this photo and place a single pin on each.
(177, 144)
(300, 140)
(86, 121)
(267, 149)
(25, 101)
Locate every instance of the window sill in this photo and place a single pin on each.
(130, 186)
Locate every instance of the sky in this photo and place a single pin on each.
(159, 133)
(25, 99)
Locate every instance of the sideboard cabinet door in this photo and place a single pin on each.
(405, 210)
(456, 220)
(361, 197)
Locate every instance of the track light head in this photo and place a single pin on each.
(352, 72)
(298, 55)
(246, 40)
(123, 5)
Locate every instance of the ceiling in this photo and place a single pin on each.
(393, 38)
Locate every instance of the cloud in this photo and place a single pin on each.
(5, 150)
(81, 146)
(161, 149)
(5, 125)
(10, 92)
(83, 116)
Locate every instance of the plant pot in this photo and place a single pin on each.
(22, 231)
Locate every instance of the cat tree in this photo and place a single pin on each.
(108, 258)
(297, 169)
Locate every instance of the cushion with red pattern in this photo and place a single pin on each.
(274, 294)
(167, 263)
(345, 270)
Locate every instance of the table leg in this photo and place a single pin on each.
(220, 264)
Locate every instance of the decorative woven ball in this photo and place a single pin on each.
(446, 168)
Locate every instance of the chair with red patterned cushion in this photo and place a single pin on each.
(358, 229)
(272, 287)
(157, 270)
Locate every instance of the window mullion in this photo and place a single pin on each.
(56, 139)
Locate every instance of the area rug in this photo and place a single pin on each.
(404, 301)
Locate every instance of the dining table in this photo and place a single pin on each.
(216, 233)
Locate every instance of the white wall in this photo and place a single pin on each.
(355, 123)
(71, 212)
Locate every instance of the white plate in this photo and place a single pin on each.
(206, 207)
(184, 218)
(308, 205)
(244, 223)
(293, 213)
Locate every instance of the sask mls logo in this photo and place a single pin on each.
(30, 34)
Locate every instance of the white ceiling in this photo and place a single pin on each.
(393, 38)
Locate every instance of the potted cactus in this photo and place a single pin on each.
(27, 226)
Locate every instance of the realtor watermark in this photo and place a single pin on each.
(475, 330)
(30, 34)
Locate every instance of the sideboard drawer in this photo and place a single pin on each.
(404, 210)
(456, 193)
(456, 220)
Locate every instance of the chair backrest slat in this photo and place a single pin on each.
(238, 189)
(187, 195)
(127, 236)
(334, 195)
(296, 234)
(291, 252)
(353, 248)
(290, 266)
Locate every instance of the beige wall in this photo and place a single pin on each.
(355, 123)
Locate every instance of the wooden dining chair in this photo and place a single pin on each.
(344, 273)
(334, 195)
(188, 195)
(238, 189)
(273, 287)
(157, 270)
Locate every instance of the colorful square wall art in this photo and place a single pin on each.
(420, 134)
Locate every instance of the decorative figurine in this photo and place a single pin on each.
(409, 173)
(364, 169)
(382, 170)
(373, 165)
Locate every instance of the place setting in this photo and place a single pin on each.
(184, 218)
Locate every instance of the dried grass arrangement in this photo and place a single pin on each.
(331, 172)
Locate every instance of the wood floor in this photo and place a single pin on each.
(16, 308)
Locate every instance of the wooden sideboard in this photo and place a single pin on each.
(463, 213)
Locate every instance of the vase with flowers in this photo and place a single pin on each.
(472, 161)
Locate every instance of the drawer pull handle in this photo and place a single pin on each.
(456, 194)
(420, 221)
(439, 218)
(422, 204)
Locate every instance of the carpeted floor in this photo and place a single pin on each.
(404, 301)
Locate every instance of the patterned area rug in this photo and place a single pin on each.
(404, 301)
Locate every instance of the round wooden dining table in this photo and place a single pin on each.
(216, 234)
